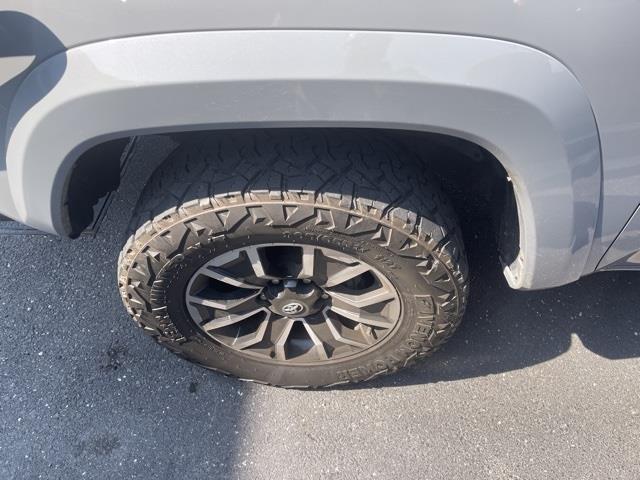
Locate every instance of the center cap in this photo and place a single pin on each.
(293, 308)
(294, 299)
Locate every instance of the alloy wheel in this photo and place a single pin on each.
(299, 304)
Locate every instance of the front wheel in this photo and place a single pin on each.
(299, 259)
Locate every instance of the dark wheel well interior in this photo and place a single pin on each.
(472, 177)
(94, 175)
(479, 188)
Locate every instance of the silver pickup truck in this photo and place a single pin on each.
(307, 229)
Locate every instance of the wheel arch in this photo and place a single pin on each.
(520, 104)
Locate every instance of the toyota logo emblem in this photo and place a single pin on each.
(292, 308)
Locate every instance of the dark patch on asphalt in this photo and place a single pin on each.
(115, 354)
(100, 445)
(193, 387)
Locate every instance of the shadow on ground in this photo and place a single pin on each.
(505, 330)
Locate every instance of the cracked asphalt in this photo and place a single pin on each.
(533, 385)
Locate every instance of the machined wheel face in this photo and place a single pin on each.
(293, 303)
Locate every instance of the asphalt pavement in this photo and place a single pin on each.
(535, 385)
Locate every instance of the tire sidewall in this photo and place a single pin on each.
(407, 341)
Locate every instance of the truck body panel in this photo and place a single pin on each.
(586, 172)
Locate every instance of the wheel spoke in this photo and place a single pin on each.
(318, 346)
(225, 258)
(221, 304)
(346, 273)
(308, 262)
(362, 300)
(361, 316)
(232, 318)
(281, 343)
(224, 277)
(256, 262)
(251, 339)
(335, 330)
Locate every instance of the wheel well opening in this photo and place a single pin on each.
(470, 176)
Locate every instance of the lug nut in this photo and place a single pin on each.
(275, 281)
(306, 280)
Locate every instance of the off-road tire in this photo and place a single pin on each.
(357, 192)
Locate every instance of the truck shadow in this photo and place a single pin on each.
(505, 330)
(24, 36)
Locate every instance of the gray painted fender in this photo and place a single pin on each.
(519, 103)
